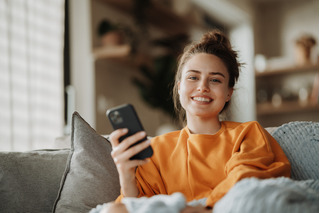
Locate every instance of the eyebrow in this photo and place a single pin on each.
(210, 73)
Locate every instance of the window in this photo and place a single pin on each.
(31, 73)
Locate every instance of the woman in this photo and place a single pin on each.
(208, 156)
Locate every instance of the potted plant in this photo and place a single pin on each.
(156, 88)
(110, 34)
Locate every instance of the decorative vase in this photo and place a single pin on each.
(112, 38)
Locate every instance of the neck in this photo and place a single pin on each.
(199, 125)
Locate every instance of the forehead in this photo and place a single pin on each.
(207, 63)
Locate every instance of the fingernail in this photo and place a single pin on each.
(143, 133)
(124, 130)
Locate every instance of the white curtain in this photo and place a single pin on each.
(31, 73)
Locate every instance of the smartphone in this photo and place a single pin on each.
(125, 116)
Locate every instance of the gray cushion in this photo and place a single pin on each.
(29, 181)
(91, 177)
(300, 142)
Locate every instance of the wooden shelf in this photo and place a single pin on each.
(111, 52)
(156, 15)
(286, 107)
(289, 70)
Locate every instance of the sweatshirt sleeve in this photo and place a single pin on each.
(149, 180)
(255, 154)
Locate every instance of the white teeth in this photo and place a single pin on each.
(201, 99)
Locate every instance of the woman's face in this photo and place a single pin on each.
(203, 88)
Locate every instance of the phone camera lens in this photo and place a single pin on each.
(116, 117)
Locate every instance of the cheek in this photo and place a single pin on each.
(183, 94)
(185, 85)
(222, 93)
(184, 90)
(228, 93)
(180, 87)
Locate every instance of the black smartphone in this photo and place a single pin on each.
(125, 116)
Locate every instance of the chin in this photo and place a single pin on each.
(204, 115)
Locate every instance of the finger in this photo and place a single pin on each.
(115, 135)
(127, 154)
(114, 207)
(126, 143)
(131, 164)
(193, 209)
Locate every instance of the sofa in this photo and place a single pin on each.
(78, 178)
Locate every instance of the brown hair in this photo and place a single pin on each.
(215, 43)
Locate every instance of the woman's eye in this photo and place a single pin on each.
(215, 80)
(192, 78)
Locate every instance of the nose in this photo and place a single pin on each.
(203, 86)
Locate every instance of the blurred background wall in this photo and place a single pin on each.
(57, 57)
(274, 87)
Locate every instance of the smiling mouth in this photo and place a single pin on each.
(202, 99)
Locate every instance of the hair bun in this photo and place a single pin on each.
(216, 37)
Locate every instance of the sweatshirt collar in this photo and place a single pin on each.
(191, 135)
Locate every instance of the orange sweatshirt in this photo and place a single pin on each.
(207, 166)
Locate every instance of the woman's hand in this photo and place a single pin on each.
(113, 207)
(121, 154)
(196, 209)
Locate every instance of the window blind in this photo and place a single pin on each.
(31, 73)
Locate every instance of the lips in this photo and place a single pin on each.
(202, 99)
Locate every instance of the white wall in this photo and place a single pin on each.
(303, 14)
(82, 72)
(243, 106)
(298, 18)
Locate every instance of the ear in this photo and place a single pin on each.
(178, 87)
(229, 94)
